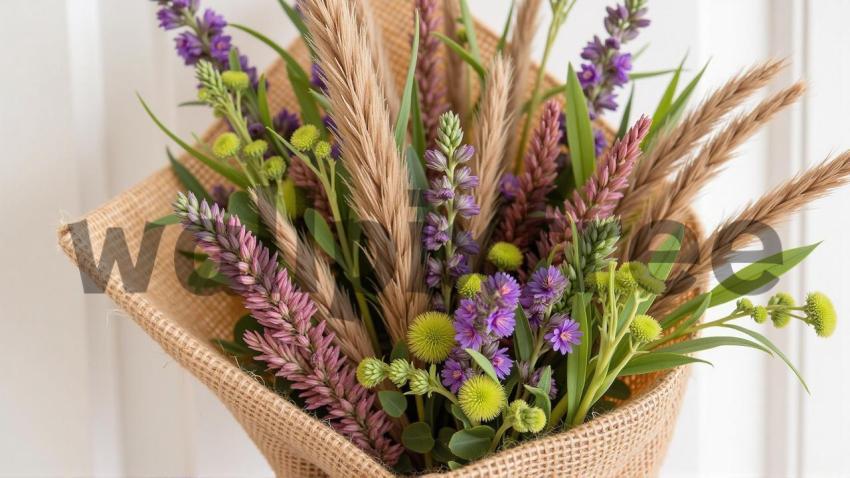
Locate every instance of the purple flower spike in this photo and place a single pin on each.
(189, 47)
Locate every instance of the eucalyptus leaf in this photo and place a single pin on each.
(579, 131)
(441, 451)
(393, 402)
(483, 363)
(767, 343)
(655, 361)
(458, 413)
(472, 443)
(417, 437)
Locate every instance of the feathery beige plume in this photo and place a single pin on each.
(314, 276)
(519, 52)
(490, 136)
(378, 173)
(379, 54)
(673, 145)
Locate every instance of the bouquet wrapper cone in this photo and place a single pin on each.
(628, 441)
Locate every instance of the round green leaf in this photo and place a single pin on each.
(417, 437)
(393, 402)
(472, 443)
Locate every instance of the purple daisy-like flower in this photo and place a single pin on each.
(502, 363)
(509, 186)
(502, 289)
(466, 334)
(564, 334)
(220, 48)
(541, 292)
(454, 374)
(501, 322)
(189, 47)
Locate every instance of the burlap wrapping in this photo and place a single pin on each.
(629, 441)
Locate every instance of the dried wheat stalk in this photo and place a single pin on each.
(379, 54)
(772, 209)
(519, 52)
(673, 145)
(491, 134)
(674, 203)
(378, 173)
(314, 275)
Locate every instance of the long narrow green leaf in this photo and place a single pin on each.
(309, 110)
(469, 26)
(284, 55)
(758, 274)
(662, 259)
(666, 99)
(463, 54)
(524, 340)
(767, 343)
(418, 127)
(653, 362)
(704, 343)
(547, 94)
(503, 39)
(483, 363)
(296, 20)
(683, 310)
(409, 85)
(322, 234)
(417, 173)
(577, 362)
(187, 178)
(232, 174)
(579, 131)
(640, 75)
(263, 102)
(697, 314)
(627, 114)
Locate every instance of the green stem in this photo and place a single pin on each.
(499, 433)
(420, 411)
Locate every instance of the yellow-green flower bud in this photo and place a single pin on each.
(255, 149)
(371, 372)
(322, 150)
(645, 328)
(759, 314)
(431, 336)
(598, 281)
(420, 382)
(744, 305)
(481, 398)
(305, 137)
(399, 372)
(469, 284)
(531, 419)
(820, 313)
(226, 145)
(274, 168)
(515, 410)
(236, 80)
(203, 94)
(505, 256)
(781, 316)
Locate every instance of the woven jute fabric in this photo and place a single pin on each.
(629, 441)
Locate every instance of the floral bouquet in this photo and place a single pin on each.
(466, 269)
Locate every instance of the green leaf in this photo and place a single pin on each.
(675, 109)
(666, 100)
(322, 234)
(759, 274)
(232, 174)
(704, 343)
(577, 362)
(639, 75)
(187, 178)
(619, 390)
(541, 391)
(662, 260)
(409, 85)
(244, 324)
(296, 20)
(306, 101)
(469, 26)
(417, 437)
(483, 363)
(654, 361)
(683, 310)
(418, 180)
(523, 337)
(453, 465)
(232, 348)
(393, 402)
(472, 443)
(458, 413)
(696, 314)
(441, 451)
(627, 113)
(241, 206)
(463, 54)
(400, 351)
(503, 38)
(767, 343)
(579, 131)
(166, 220)
(418, 127)
(290, 61)
(263, 102)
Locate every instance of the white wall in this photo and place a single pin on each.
(83, 392)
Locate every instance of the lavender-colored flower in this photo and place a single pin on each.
(169, 18)
(509, 187)
(292, 344)
(564, 334)
(433, 272)
(317, 77)
(467, 333)
(456, 370)
(212, 22)
(466, 206)
(221, 194)
(541, 292)
(189, 47)
(589, 75)
(246, 66)
(599, 142)
(501, 361)
(465, 244)
(435, 233)
(553, 385)
(220, 48)
(501, 291)
(621, 65)
(286, 122)
(501, 322)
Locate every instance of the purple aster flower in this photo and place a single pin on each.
(466, 334)
(454, 374)
(220, 48)
(212, 22)
(286, 122)
(543, 289)
(588, 76)
(564, 334)
(189, 47)
(501, 322)
(502, 289)
(169, 18)
(502, 363)
(509, 186)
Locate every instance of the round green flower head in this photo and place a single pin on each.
(322, 150)
(304, 137)
(399, 371)
(820, 313)
(781, 317)
(645, 328)
(226, 145)
(236, 80)
(431, 336)
(505, 256)
(532, 419)
(469, 284)
(273, 168)
(420, 382)
(515, 409)
(481, 398)
(635, 275)
(598, 281)
(255, 149)
(744, 305)
(759, 314)
(371, 372)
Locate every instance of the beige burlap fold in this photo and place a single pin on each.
(629, 441)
